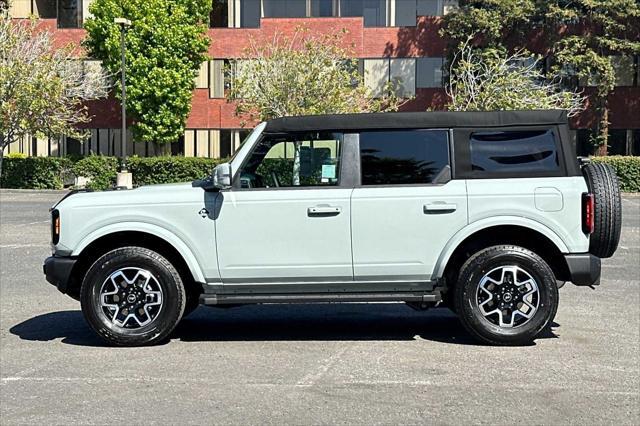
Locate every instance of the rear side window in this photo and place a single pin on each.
(403, 157)
(520, 151)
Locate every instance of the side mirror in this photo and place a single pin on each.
(222, 176)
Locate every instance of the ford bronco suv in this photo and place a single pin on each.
(487, 213)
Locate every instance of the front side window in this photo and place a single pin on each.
(403, 157)
(521, 151)
(292, 160)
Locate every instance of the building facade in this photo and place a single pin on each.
(392, 39)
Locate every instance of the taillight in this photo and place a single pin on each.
(588, 216)
(55, 226)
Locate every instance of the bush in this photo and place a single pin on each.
(627, 169)
(33, 172)
(100, 169)
(153, 170)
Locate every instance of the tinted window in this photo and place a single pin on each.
(304, 159)
(403, 157)
(514, 151)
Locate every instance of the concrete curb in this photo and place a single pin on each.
(33, 191)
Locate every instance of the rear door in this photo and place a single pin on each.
(406, 207)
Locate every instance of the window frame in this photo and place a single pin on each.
(450, 151)
(346, 178)
(461, 138)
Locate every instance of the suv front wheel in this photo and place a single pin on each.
(132, 296)
(506, 295)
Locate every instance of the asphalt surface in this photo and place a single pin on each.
(312, 364)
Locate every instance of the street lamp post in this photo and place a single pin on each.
(124, 177)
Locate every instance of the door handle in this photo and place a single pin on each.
(439, 208)
(324, 211)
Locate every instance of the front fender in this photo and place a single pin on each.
(479, 225)
(148, 228)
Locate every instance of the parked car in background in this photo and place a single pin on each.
(487, 213)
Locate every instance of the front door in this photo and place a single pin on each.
(406, 208)
(287, 219)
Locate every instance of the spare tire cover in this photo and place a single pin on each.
(603, 184)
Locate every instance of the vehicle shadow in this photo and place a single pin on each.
(312, 322)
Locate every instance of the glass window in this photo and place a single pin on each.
(284, 8)
(617, 142)
(521, 151)
(429, 72)
(45, 9)
(403, 157)
(405, 13)
(309, 159)
(250, 13)
(69, 14)
(374, 12)
(429, 7)
(321, 8)
(219, 15)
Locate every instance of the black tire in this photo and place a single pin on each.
(603, 184)
(466, 295)
(166, 278)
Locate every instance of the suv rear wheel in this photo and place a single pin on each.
(506, 295)
(132, 296)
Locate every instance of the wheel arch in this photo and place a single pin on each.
(522, 232)
(171, 247)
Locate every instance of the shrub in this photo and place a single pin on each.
(152, 170)
(627, 169)
(33, 172)
(100, 169)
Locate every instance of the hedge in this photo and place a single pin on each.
(627, 169)
(49, 172)
(152, 170)
(34, 172)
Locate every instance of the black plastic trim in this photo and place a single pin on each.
(223, 299)
(584, 269)
(57, 271)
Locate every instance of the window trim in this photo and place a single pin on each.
(463, 156)
(450, 150)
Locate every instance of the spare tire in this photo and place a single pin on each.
(603, 184)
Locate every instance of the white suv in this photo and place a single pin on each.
(487, 213)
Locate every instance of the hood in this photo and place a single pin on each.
(150, 194)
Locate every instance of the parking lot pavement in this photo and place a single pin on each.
(353, 363)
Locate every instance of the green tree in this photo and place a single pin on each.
(303, 75)
(166, 44)
(579, 36)
(42, 89)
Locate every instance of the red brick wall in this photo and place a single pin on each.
(370, 42)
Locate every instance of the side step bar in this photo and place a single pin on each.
(224, 299)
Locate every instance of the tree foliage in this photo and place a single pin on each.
(579, 36)
(303, 75)
(489, 80)
(42, 89)
(166, 44)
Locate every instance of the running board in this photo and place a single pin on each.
(224, 299)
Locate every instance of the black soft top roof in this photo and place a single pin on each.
(415, 120)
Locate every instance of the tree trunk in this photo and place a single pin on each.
(1, 158)
(604, 129)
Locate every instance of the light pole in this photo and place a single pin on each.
(124, 178)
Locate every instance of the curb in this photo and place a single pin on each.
(33, 191)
